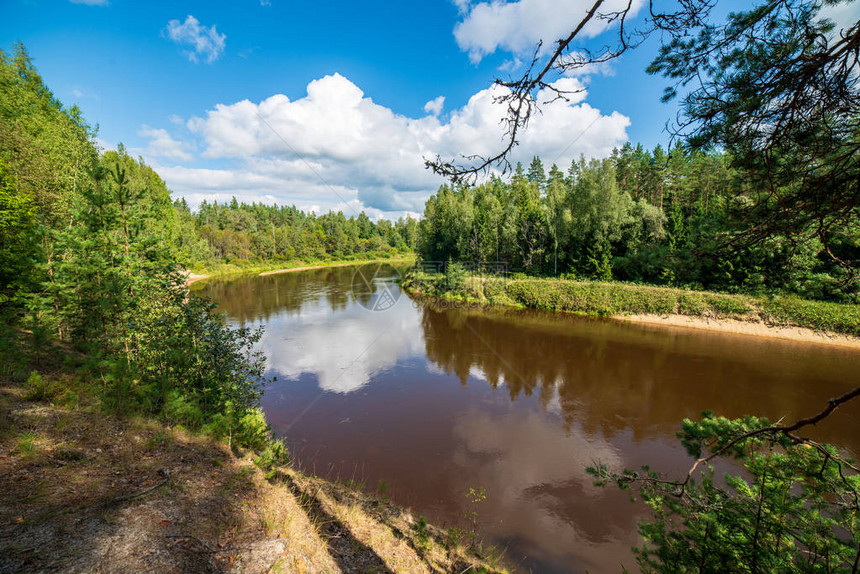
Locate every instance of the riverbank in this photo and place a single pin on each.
(82, 490)
(194, 277)
(779, 317)
(750, 328)
(338, 264)
(274, 267)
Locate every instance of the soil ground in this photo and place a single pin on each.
(84, 491)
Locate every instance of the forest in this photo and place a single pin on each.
(237, 232)
(656, 217)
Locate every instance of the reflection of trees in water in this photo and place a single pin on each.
(255, 298)
(609, 377)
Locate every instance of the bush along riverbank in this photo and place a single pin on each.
(612, 299)
(83, 489)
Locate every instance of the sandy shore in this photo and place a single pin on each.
(736, 327)
(309, 267)
(344, 264)
(192, 277)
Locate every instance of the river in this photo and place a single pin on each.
(425, 403)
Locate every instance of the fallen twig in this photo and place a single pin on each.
(162, 471)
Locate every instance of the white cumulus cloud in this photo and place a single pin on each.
(462, 5)
(205, 42)
(843, 15)
(335, 148)
(162, 144)
(517, 27)
(344, 355)
(435, 106)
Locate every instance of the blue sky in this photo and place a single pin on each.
(325, 105)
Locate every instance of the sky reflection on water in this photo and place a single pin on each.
(435, 402)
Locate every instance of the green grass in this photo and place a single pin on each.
(25, 445)
(820, 315)
(254, 267)
(607, 299)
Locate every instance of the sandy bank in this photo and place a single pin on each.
(753, 328)
(192, 277)
(309, 267)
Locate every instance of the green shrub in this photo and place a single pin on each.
(184, 411)
(455, 277)
(691, 303)
(218, 426)
(502, 300)
(158, 439)
(794, 508)
(253, 431)
(274, 454)
(40, 389)
(728, 304)
(493, 287)
(69, 399)
(421, 536)
(12, 363)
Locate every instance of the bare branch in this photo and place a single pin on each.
(521, 102)
(522, 94)
(774, 430)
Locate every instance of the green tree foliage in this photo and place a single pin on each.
(776, 87)
(88, 255)
(17, 220)
(533, 223)
(795, 508)
(536, 173)
(47, 149)
(236, 232)
(46, 153)
(646, 216)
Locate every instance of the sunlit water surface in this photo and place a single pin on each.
(375, 388)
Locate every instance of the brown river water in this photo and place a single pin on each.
(374, 387)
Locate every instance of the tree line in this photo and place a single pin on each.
(237, 231)
(651, 216)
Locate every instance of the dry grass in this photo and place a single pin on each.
(84, 491)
